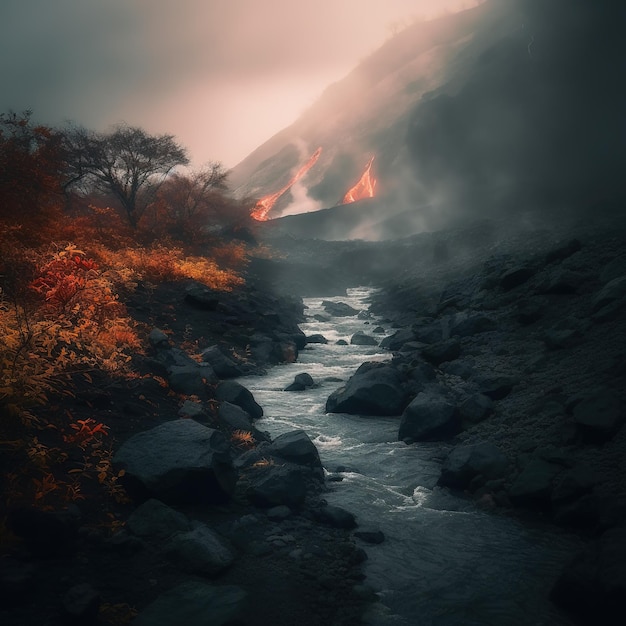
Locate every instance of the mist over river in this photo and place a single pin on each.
(444, 560)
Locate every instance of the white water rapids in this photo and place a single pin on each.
(444, 561)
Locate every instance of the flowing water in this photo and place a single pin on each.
(444, 562)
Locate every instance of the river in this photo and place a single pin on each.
(444, 561)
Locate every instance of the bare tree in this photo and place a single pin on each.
(127, 162)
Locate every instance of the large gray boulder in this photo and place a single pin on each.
(296, 447)
(438, 353)
(223, 366)
(374, 389)
(234, 418)
(361, 339)
(465, 463)
(196, 603)
(180, 461)
(429, 418)
(233, 392)
(339, 309)
(275, 485)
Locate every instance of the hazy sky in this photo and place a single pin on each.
(221, 75)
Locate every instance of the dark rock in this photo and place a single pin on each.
(561, 281)
(321, 318)
(428, 332)
(379, 330)
(361, 339)
(467, 325)
(199, 551)
(296, 447)
(335, 516)
(475, 409)
(155, 520)
(233, 392)
(195, 603)
(428, 418)
(530, 312)
(610, 300)
(593, 585)
(465, 463)
(339, 309)
(201, 297)
(304, 379)
(516, 277)
(178, 461)
(223, 366)
(235, 418)
(81, 604)
(191, 379)
(438, 353)
(496, 387)
(398, 339)
(375, 390)
(341, 342)
(275, 485)
(599, 416)
(191, 410)
(295, 387)
(613, 269)
(566, 333)
(16, 580)
(562, 252)
(370, 535)
(533, 487)
(279, 513)
(316, 339)
(158, 339)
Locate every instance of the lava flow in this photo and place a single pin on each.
(265, 204)
(364, 188)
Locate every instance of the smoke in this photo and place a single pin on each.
(300, 201)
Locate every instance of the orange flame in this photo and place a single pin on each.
(265, 204)
(364, 188)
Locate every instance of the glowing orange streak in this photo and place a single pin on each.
(364, 188)
(265, 204)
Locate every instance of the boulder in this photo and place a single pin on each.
(495, 386)
(398, 339)
(304, 379)
(428, 331)
(465, 325)
(233, 392)
(599, 416)
(610, 300)
(191, 380)
(155, 520)
(274, 485)
(465, 463)
(158, 339)
(339, 309)
(222, 365)
(531, 311)
(180, 461)
(566, 333)
(296, 447)
(191, 410)
(361, 339)
(234, 418)
(428, 418)
(335, 516)
(199, 551)
(561, 281)
(196, 603)
(438, 353)
(475, 409)
(370, 535)
(375, 390)
(593, 585)
(317, 338)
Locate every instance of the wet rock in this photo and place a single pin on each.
(222, 365)
(304, 379)
(339, 309)
(195, 603)
(599, 416)
(233, 392)
(81, 604)
(379, 330)
(398, 339)
(533, 487)
(438, 353)
(374, 389)
(336, 517)
(361, 339)
(199, 551)
(370, 535)
(234, 418)
(428, 418)
(341, 342)
(593, 585)
(316, 339)
(465, 463)
(155, 520)
(178, 461)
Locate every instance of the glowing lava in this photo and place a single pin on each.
(265, 205)
(364, 188)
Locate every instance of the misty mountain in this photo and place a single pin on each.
(508, 107)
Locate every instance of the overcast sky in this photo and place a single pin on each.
(221, 75)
